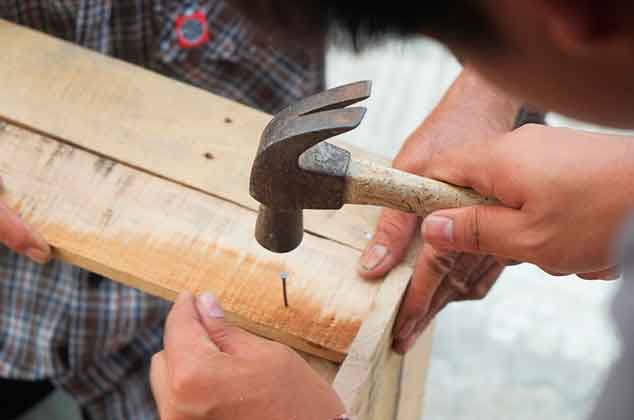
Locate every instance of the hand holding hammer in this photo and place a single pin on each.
(295, 169)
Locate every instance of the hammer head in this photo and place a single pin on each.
(294, 168)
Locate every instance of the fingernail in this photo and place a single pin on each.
(41, 250)
(38, 255)
(372, 257)
(407, 329)
(438, 229)
(208, 305)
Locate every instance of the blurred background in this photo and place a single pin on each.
(538, 346)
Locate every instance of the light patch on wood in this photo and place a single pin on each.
(163, 237)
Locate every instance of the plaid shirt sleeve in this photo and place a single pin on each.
(93, 337)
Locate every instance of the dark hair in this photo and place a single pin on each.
(364, 22)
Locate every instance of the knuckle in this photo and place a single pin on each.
(393, 225)
(481, 290)
(459, 284)
(156, 357)
(534, 246)
(224, 334)
(184, 382)
(441, 263)
(462, 271)
(472, 227)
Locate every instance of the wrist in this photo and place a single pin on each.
(484, 101)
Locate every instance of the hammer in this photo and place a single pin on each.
(295, 169)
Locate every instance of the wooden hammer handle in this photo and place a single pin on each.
(369, 183)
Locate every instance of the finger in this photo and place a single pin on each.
(186, 337)
(19, 237)
(555, 273)
(431, 268)
(609, 274)
(477, 229)
(228, 338)
(482, 279)
(187, 348)
(466, 271)
(443, 296)
(389, 244)
(159, 381)
(507, 262)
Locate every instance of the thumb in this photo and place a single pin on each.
(228, 338)
(478, 229)
(389, 243)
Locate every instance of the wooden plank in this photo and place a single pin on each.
(370, 357)
(374, 382)
(145, 120)
(162, 237)
(414, 369)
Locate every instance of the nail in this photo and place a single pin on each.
(373, 257)
(37, 255)
(407, 329)
(208, 305)
(40, 251)
(438, 229)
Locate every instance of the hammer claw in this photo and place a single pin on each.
(308, 130)
(335, 98)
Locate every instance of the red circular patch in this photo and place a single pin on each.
(192, 30)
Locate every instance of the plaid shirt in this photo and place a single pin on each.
(90, 336)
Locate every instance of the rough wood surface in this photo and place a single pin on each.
(411, 393)
(162, 237)
(374, 382)
(145, 120)
(362, 377)
(371, 183)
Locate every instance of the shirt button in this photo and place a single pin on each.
(192, 30)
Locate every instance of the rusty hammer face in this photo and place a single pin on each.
(295, 169)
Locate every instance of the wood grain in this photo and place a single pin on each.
(366, 371)
(147, 121)
(411, 393)
(161, 237)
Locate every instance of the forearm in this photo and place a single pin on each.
(477, 98)
(471, 109)
(505, 111)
